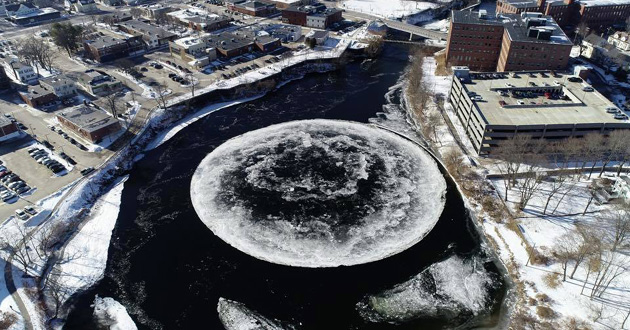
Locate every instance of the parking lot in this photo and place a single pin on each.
(16, 158)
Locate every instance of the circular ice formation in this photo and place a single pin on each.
(319, 193)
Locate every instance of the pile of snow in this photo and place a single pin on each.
(388, 8)
(346, 193)
(451, 288)
(235, 316)
(111, 315)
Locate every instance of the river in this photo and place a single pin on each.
(169, 270)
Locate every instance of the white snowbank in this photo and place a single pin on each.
(190, 119)
(86, 252)
(112, 315)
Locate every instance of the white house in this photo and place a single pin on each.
(621, 40)
(21, 72)
(62, 86)
(621, 188)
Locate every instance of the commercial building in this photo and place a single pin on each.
(255, 8)
(153, 36)
(38, 96)
(493, 107)
(99, 83)
(283, 4)
(316, 16)
(89, 122)
(27, 14)
(508, 42)
(597, 14)
(320, 36)
(156, 11)
(108, 47)
(8, 129)
(285, 33)
(200, 20)
(195, 51)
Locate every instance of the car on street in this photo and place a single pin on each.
(30, 210)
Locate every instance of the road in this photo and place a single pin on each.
(30, 30)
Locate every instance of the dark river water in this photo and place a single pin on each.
(169, 270)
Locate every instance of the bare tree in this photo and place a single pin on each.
(616, 226)
(588, 245)
(614, 144)
(529, 183)
(433, 122)
(56, 293)
(7, 320)
(112, 103)
(569, 187)
(16, 244)
(161, 95)
(622, 148)
(557, 183)
(594, 265)
(593, 150)
(613, 266)
(125, 65)
(564, 251)
(192, 83)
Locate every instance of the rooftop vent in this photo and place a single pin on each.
(483, 14)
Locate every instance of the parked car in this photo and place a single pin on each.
(30, 210)
(87, 170)
(8, 197)
(21, 214)
(48, 145)
(22, 190)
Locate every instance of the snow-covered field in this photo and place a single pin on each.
(388, 8)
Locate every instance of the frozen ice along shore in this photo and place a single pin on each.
(450, 288)
(235, 316)
(319, 193)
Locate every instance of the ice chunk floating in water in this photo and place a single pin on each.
(319, 193)
(235, 316)
(452, 288)
(110, 314)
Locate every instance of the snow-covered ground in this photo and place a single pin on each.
(111, 315)
(441, 25)
(388, 8)
(85, 255)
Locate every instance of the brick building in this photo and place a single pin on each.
(529, 41)
(89, 122)
(598, 14)
(105, 48)
(38, 96)
(8, 129)
(316, 16)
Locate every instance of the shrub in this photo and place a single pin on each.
(552, 280)
(545, 312)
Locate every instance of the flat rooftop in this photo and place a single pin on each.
(88, 118)
(515, 107)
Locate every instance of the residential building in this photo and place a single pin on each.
(509, 42)
(267, 43)
(200, 20)
(255, 8)
(597, 14)
(117, 17)
(27, 14)
(493, 107)
(108, 47)
(89, 122)
(153, 36)
(8, 129)
(20, 71)
(99, 83)
(5, 81)
(316, 16)
(621, 188)
(81, 6)
(38, 96)
(600, 51)
(62, 86)
(621, 40)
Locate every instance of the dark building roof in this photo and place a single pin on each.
(145, 28)
(33, 92)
